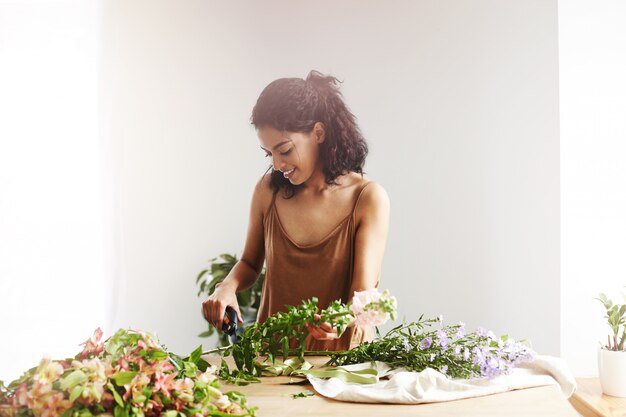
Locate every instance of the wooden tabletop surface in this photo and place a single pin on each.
(590, 402)
(275, 400)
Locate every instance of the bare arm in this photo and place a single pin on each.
(372, 222)
(246, 271)
(371, 237)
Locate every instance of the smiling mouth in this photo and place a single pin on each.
(287, 174)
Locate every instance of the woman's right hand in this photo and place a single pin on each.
(214, 307)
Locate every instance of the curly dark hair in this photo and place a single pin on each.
(295, 105)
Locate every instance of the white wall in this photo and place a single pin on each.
(459, 102)
(51, 251)
(457, 99)
(592, 56)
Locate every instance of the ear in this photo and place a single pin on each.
(319, 132)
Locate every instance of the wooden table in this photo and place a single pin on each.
(275, 400)
(590, 402)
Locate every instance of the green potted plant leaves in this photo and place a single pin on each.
(248, 300)
(612, 356)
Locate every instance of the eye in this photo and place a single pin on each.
(268, 155)
(287, 152)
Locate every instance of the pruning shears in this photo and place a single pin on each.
(229, 325)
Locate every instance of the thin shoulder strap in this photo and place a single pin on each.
(273, 197)
(359, 196)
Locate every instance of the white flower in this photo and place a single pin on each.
(222, 402)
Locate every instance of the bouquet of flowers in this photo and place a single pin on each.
(128, 375)
(283, 330)
(427, 343)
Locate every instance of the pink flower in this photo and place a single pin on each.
(370, 307)
(135, 388)
(56, 405)
(48, 371)
(163, 382)
(95, 371)
(21, 395)
(93, 346)
(38, 395)
(183, 389)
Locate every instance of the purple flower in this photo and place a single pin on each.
(426, 343)
(442, 338)
(443, 369)
(459, 333)
(479, 356)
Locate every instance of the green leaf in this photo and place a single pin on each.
(303, 394)
(201, 274)
(229, 258)
(78, 389)
(73, 379)
(120, 411)
(285, 347)
(177, 361)
(123, 378)
(85, 413)
(206, 333)
(244, 298)
(157, 354)
(195, 355)
(190, 369)
(203, 365)
(116, 395)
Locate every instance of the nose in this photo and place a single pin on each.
(277, 164)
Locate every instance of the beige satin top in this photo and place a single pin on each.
(324, 270)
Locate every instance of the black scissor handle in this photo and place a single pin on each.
(229, 325)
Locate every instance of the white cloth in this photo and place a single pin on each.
(432, 386)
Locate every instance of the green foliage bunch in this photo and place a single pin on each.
(616, 318)
(283, 333)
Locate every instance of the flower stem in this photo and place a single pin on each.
(322, 352)
(334, 315)
(217, 350)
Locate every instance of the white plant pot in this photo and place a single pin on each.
(612, 371)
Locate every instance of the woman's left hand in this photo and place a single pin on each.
(323, 331)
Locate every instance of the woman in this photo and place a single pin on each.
(316, 221)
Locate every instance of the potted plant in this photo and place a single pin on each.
(248, 300)
(612, 356)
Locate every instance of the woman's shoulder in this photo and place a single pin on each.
(373, 196)
(368, 188)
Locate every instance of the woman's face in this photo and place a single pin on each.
(294, 154)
